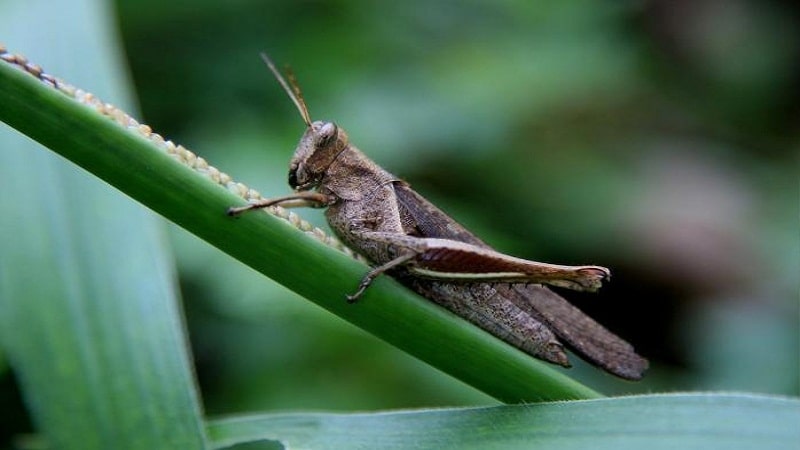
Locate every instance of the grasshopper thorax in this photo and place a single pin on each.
(319, 147)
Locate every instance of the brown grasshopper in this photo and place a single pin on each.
(400, 232)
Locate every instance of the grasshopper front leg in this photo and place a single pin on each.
(296, 200)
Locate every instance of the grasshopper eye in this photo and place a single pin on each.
(293, 175)
(327, 134)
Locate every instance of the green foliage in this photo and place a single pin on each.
(567, 132)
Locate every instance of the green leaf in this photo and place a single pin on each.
(89, 316)
(682, 421)
(144, 170)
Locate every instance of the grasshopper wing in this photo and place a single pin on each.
(580, 332)
(421, 218)
(584, 335)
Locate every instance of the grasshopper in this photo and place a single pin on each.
(400, 232)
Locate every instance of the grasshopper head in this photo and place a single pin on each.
(318, 148)
(320, 145)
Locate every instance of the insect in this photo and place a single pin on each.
(400, 232)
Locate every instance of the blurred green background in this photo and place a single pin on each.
(656, 138)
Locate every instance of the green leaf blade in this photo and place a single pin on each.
(685, 421)
(89, 315)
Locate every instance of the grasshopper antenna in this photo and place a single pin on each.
(293, 90)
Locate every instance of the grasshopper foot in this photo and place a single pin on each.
(582, 278)
(234, 211)
(591, 278)
(365, 282)
(352, 298)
